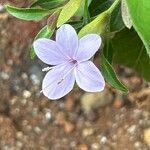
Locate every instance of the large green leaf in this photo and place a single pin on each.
(68, 11)
(27, 13)
(140, 14)
(130, 51)
(116, 22)
(125, 14)
(99, 23)
(98, 6)
(48, 4)
(96, 26)
(110, 76)
(80, 11)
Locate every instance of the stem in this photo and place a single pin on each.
(113, 6)
(86, 13)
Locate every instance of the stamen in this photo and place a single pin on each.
(66, 75)
(60, 81)
(47, 69)
(73, 61)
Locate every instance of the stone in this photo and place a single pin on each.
(90, 101)
(69, 103)
(48, 114)
(60, 118)
(147, 136)
(26, 94)
(83, 147)
(87, 132)
(103, 140)
(69, 127)
(132, 129)
(95, 146)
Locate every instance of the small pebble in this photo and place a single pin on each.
(147, 136)
(24, 76)
(19, 144)
(83, 147)
(19, 135)
(137, 114)
(48, 115)
(132, 129)
(35, 79)
(10, 62)
(69, 103)
(26, 94)
(95, 146)
(103, 140)
(90, 101)
(4, 75)
(137, 145)
(60, 118)
(73, 144)
(69, 127)
(118, 103)
(87, 132)
(37, 130)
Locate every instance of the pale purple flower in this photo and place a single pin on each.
(70, 59)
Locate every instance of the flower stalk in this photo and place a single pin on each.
(113, 6)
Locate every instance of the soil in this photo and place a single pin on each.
(79, 121)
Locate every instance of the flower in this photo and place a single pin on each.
(70, 59)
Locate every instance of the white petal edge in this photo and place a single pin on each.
(88, 77)
(88, 46)
(53, 86)
(67, 39)
(48, 51)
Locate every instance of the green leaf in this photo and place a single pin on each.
(110, 76)
(86, 16)
(68, 11)
(130, 51)
(125, 14)
(27, 13)
(116, 22)
(52, 20)
(45, 32)
(140, 14)
(107, 50)
(98, 6)
(48, 4)
(97, 26)
(77, 24)
(80, 11)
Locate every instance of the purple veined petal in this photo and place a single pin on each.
(47, 50)
(67, 39)
(88, 45)
(59, 81)
(88, 77)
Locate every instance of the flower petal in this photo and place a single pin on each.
(88, 45)
(88, 77)
(58, 81)
(48, 51)
(67, 39)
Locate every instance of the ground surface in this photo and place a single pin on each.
(80, 121)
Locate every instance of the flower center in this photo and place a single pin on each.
(74, 61)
